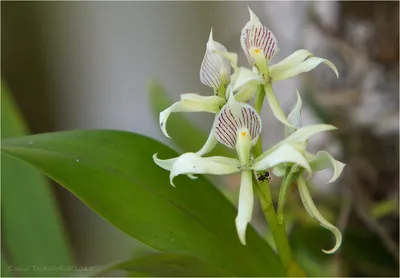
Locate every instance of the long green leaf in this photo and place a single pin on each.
(113, 173)
(32, 230)
(162, 265)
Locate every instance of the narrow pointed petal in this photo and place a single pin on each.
(233, 118)
(191, 103)
(284, 154)
(305, 66)
(294, 117)
(214, 68)
(167, 164)
(164, 163)
(245, 206)
(257, 41)
(299, 136)
(191, 163)
(276, 107)
(313, 211)
(245, 83)
(303, 134)
(325, 160)
(209, 145)
(289, 62)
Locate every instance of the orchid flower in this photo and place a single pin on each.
(214, 72)
(260, 46)
(236, 126)
(297, 137)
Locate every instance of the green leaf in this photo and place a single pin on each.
(33, 234)
(164, 265)
(113, 173)
(5, 268)
(179, 128)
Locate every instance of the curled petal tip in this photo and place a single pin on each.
(171, 182)
(252, 14)
(338, 236)
(241, 229)
(210, 38)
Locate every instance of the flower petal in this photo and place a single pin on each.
(289, 62)
(214, 68)
(325, 160)
(299, 136)
(191, 103)
(279, 170)
(294, 117)
(167, 164)
(256, 40)
(305, 66)
(233, 118)
(245, 83)
(313, 211)
(245, 206)
(191, 163)
(275, 106)
(284, 154)
(303, 134)
(209, 145)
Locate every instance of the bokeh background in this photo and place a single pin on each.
(74, 65)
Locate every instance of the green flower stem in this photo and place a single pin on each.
(290, 176)
(278, 231)
(264, 193)
(257, 149)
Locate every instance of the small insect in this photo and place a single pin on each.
(263, 177)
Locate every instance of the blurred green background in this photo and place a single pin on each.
(73, 65)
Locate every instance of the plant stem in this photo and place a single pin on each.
(257, 149)
(264, 193)
(287, 181)
(278, 231)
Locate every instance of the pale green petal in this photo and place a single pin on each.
(303, 134)
(284, 154)
(279, 170)
(191, 103)
(164, 163)
(305, 66)
(214, 68)
(245, 206)
(313, 211)
(209, 145)
(245, 82)
(325, 160)
(190, 163)
(168, 163)
(275, 106)
(294, 117)
(289, 62)
(299, 136)
(230, 56)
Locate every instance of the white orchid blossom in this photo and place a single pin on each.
(214, 72)
(236, 126)
(260, 46)
(297, 137)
